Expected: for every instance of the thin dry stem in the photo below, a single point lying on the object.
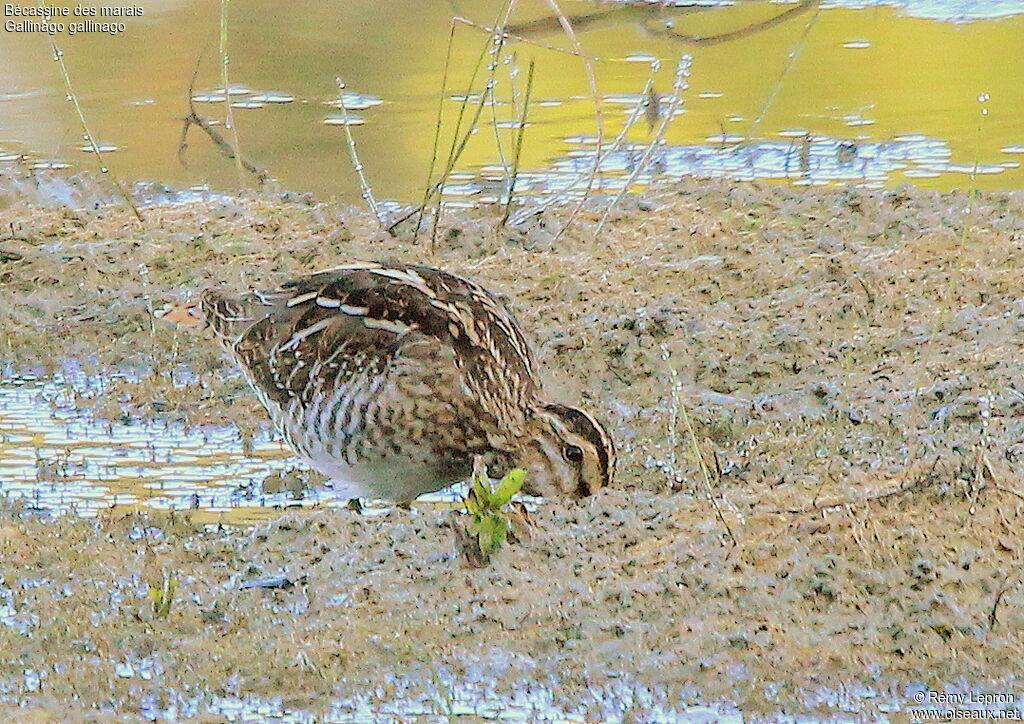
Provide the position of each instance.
(616, 144)
(922, 480)
(588, 67)
(676, 477)
(492, 82)
(229, 116)
(679, 85)
(495, 43)
(437, 133)
(58, 55)
(746, 31)
(195, 119)
(790, 63)
(521, 39)
(513, 73)
(438, 186)
(694, 446)
(519, 143)
(364, 185)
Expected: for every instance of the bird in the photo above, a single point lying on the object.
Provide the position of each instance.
(390, 379)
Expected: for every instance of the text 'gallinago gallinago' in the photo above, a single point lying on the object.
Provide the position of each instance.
(391, 378)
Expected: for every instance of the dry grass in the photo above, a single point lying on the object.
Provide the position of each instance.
(821, 337)
(634, 590)
(850, 362)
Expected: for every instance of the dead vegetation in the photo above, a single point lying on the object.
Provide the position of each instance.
(849, 364)
(822, 613)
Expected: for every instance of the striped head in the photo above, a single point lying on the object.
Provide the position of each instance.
(569, 454)
(229, 317)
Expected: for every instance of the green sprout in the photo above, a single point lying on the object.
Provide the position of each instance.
(488, 527)
(162, 595)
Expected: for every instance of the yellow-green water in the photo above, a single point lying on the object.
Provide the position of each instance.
(55, 458)
(886, 94)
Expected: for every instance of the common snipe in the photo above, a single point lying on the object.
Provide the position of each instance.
(391, 378)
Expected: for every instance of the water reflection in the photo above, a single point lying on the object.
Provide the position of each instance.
(807, 159)
(954, 11)
(55, 458)
(869, 73)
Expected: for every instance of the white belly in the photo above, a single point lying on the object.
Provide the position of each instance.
(332, 437)
(389, 479)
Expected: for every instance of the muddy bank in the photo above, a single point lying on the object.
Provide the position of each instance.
(819, 338)
(851, 363)
(632, 595)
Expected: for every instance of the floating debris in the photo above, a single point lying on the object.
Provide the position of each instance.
(338, 119)
(640, 58)
(356, 101)
(101, 147)
(272, 97)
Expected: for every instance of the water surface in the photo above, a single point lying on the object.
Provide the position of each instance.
(57, 458)
(848, 91)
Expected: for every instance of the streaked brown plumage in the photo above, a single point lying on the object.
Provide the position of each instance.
(391, 378)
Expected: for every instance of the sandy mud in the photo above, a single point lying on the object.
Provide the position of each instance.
(841, 530)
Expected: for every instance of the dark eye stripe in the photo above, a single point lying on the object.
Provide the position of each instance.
(586, 427)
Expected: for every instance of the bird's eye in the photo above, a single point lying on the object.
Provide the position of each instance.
(573, 454)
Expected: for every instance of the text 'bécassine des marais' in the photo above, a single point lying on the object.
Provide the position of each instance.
(71, 20)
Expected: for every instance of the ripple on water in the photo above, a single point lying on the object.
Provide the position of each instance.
(356, 101)
(101, 147)
(56, 458)
(344, 119)
(800, 157)
(273, 97)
